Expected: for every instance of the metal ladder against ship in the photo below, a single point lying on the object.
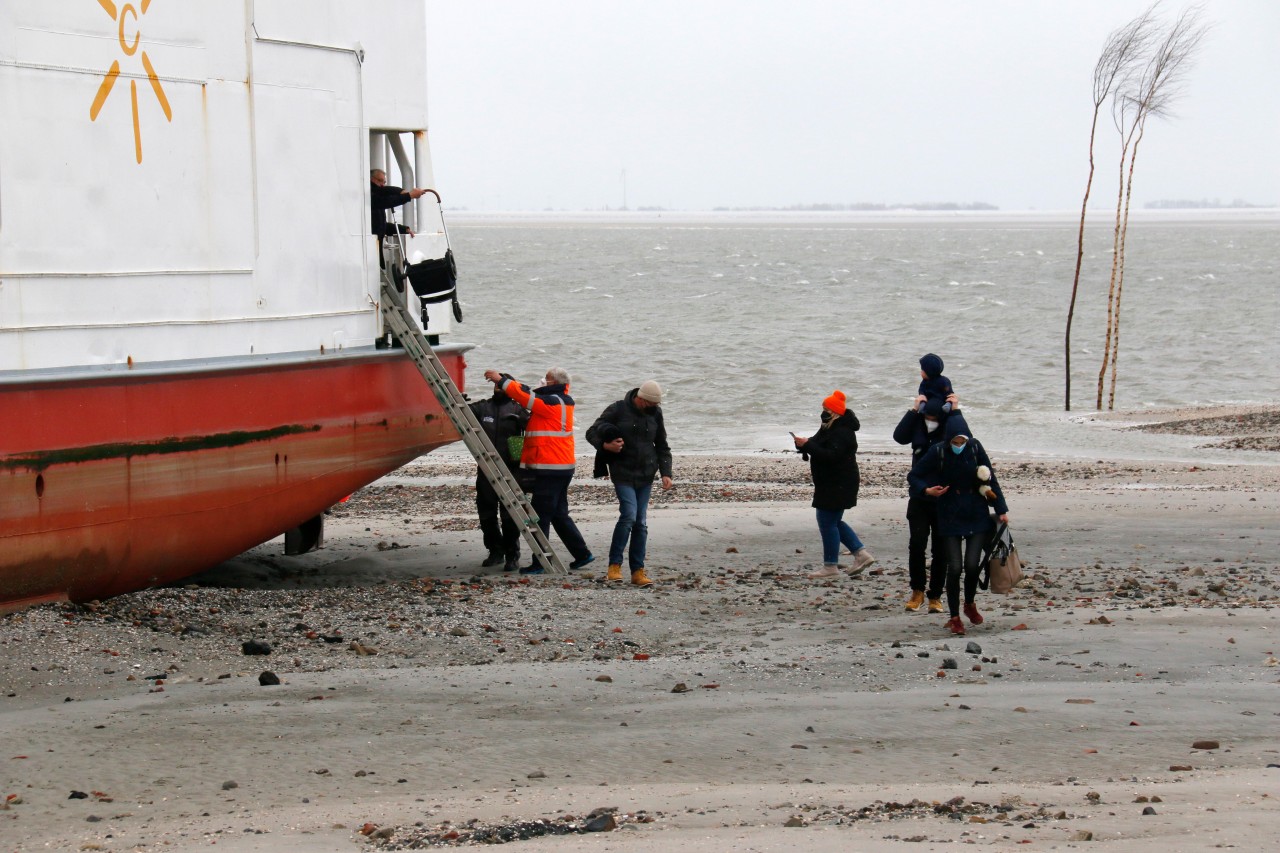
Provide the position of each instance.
(415, 343)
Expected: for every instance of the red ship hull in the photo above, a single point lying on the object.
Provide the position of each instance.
(118, 482)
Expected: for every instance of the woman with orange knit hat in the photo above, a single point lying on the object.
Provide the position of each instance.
(832, 453)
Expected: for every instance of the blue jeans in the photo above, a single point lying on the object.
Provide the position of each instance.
(835, 531)
(633, 508)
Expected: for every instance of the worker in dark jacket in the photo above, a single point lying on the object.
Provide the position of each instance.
(950, 472)
(631, 438)
(832, 453)
(502, 419)
(923, 429)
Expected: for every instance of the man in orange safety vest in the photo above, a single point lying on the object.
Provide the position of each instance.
(548, 455)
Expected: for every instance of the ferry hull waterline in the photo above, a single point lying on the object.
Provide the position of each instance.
(198, 363)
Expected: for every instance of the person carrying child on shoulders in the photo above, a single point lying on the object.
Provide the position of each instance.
(951, 472)
(923, 429)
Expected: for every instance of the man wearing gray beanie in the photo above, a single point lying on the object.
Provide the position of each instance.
(631, 438)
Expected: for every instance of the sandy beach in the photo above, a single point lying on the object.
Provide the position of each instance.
(1123, 697)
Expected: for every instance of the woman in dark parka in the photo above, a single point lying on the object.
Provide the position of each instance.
(964, 517)
(832, 453)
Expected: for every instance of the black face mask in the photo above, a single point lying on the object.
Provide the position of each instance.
(826, 416)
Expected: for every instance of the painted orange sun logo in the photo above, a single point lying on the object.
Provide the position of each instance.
(127, 17)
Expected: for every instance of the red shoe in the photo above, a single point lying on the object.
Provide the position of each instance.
(971, 610)
(955, 626)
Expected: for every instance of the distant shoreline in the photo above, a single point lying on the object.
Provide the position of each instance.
(1097, 217)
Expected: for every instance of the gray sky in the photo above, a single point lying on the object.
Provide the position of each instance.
(706, 103)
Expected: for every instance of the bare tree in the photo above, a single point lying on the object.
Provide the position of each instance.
(1122, 53)
(1160, 84)
(1123, 109)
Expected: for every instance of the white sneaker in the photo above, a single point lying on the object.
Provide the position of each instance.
(828, 570)
(861, 559)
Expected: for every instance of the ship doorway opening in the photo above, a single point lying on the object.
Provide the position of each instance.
(390, 153)
(408, 217)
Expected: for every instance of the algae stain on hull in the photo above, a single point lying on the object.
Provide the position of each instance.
(128, 450)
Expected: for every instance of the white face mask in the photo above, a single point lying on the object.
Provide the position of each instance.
(930, 426)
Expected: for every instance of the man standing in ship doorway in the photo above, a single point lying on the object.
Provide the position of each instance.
(548, 454)
(383, 198)
(632, 440)
(503, 420)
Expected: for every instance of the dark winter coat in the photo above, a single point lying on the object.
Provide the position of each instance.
(382, 199)
(914, 430)
(501, 418)
(961, 510)
(644, 453)
(935, 388)
(832, 453)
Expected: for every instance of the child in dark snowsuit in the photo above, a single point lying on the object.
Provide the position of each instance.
(933, 385)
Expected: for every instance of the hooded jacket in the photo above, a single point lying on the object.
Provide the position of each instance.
(934, 386)
(644, 453)
(833, 463)
(961, 510)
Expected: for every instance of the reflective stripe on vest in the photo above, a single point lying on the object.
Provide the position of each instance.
(547, 466)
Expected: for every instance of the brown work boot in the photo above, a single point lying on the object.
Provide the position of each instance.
(935, 605)
(639, 578)
(916, 599)
(615, 572)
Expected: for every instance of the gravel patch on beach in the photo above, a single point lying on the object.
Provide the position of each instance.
(1256, 430)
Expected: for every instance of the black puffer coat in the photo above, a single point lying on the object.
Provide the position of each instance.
(644, 442)
(833, 463)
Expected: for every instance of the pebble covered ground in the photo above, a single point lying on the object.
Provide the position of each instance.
(720, 620)
(196, 631)
(154, 637)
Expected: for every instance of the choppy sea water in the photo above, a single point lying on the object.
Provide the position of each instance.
(750, 320)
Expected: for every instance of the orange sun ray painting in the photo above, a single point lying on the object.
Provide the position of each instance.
(129, 35)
